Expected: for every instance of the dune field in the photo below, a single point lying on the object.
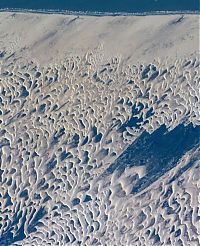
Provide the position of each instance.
(99, 130)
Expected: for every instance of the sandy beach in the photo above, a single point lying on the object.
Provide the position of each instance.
(52, 37)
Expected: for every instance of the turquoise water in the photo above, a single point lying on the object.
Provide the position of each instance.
(102, 6)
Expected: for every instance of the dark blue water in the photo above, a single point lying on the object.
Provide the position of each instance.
(159, 152)
(103, 6)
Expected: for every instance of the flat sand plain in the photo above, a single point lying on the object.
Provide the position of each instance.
(51, 37)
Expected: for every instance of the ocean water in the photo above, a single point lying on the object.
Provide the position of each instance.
(103, 6)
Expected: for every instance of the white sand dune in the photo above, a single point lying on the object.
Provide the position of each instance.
(99, 130)
(52, 37)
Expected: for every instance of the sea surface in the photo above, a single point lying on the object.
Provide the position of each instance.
(102, 7)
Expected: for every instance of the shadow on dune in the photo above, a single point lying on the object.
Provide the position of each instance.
(158, 152)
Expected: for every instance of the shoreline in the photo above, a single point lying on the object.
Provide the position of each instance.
(99, 14)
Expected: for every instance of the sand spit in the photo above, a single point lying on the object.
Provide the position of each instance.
(99, 134)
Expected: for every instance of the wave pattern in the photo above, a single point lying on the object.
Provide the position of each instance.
(99, 154)
(98, 13)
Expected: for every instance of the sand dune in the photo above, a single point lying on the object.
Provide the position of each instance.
(99, 135)
(132, 38)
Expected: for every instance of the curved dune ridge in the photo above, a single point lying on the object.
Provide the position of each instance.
(96, 149)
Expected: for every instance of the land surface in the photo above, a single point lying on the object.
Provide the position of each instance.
(51, 37)
(99, 130)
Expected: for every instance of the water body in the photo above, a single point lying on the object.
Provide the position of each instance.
(102, 7)
(159, 152)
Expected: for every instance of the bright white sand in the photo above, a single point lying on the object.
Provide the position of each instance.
(68, 88)
(51, 37)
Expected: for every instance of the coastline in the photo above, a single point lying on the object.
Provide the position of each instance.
(97, 13)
